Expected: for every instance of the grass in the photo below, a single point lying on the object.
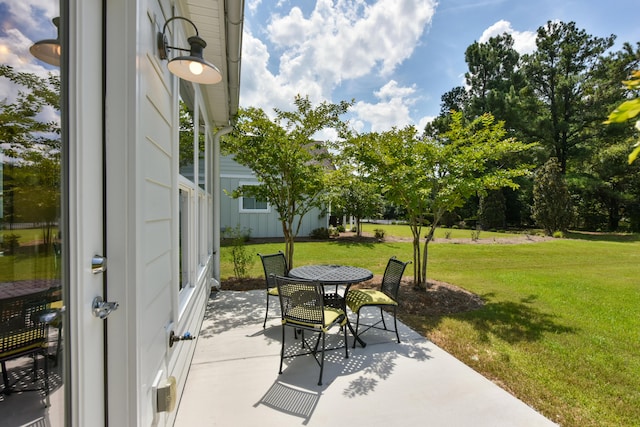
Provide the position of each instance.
(560, 328)
(30, 262)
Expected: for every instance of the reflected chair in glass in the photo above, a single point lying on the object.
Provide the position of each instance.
(385, 297)
(302, 308)
(273, 265)
(23, 333)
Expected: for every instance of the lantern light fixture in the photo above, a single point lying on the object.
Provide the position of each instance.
(192, 67)
(48, 50)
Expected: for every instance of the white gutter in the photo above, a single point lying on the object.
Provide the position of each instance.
(234, 16)
(234, 11)
(215, 167)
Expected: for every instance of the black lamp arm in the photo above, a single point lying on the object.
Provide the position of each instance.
(162, 39)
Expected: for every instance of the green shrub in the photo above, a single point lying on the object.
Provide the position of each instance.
(475, 235)
(558, 235)
(341, 228)
(242, 260)
(10, 243)
(378, 233)
(319, 233)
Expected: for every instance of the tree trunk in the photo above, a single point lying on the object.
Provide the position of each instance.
(415, 230)
(425, 256)
(288, 243)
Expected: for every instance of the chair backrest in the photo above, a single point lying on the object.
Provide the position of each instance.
(392, 276)
(274, 265)
(301, 300)
(21, 330)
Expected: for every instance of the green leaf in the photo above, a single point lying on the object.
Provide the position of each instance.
(627, 110)
(634, 154)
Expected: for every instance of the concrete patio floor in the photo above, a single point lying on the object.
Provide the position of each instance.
(234, 381)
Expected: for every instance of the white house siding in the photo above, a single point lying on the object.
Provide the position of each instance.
(143, 229)
(260, 225)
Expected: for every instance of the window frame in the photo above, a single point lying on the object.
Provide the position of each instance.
(241, 199)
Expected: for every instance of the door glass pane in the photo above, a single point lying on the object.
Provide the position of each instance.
(32, 237)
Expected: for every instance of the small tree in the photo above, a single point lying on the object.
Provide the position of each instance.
(428, 177)
(242, 260)
(352, 195)
(288, 163)
(551, 200)
(31, 151)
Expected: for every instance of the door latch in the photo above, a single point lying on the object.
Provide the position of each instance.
(98, 264)
(102, 309)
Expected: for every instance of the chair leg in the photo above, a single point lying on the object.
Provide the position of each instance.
(384, 325)
(321, 360)
(46, 378)
(355, 340)
(346, 343)
(35, 367)
(264, 324)
(282, 350)
(5, 378)
(395, 324)
(58, 343)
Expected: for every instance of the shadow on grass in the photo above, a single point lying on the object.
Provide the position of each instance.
(364, 242)
(514, 322)
(603, 237)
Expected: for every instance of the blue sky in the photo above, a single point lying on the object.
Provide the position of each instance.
(394, 57)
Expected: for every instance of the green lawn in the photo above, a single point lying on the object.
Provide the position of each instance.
(560, 328)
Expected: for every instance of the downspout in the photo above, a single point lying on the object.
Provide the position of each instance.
(234, 17)
(215, 167)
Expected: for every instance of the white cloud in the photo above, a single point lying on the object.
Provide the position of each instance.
(523, 41)
(392, 109)
(348, 39)
(423, 122)
(339, 41)
(26, 14)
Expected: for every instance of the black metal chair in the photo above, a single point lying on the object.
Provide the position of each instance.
(273, 265)
(385, 297)
(302, 307)
(23, 333)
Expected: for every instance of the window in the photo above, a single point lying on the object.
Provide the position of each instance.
(251, 204)
(195, 199)
(184, 240)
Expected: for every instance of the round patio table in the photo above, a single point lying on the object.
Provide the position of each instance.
(334, 275)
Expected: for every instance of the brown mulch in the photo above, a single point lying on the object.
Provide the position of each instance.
(438, 299)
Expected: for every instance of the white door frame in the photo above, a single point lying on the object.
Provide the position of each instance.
(83, 21)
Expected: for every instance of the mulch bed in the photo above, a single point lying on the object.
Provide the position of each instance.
(438, 299)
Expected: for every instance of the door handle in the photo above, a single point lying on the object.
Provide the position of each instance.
(98, 264)
(102, 309)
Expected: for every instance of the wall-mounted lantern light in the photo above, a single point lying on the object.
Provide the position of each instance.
(48, 50)
(192, 67)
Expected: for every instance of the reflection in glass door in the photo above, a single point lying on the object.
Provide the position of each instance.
(32, 236)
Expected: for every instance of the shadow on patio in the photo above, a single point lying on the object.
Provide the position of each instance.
(233, 379)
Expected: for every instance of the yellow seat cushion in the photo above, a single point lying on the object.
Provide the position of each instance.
(362, 297)
(330, 316)
(29, 341)
(56, 304)
(273, 291)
